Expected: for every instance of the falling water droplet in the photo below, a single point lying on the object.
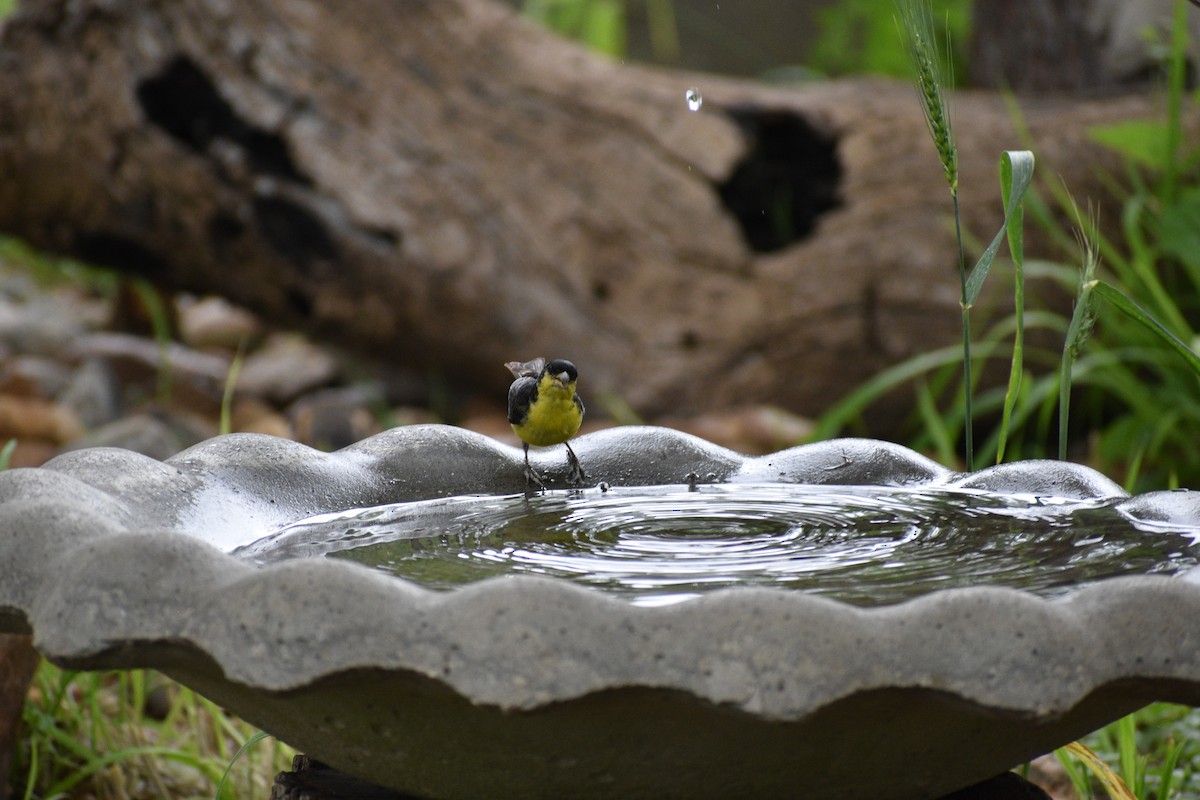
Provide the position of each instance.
(693, 98)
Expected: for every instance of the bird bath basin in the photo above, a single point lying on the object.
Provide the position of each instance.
(658, 545)
(562, 645)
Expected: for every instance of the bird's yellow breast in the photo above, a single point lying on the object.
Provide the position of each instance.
(553, 417)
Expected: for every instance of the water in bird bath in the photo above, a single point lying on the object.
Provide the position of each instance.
(664, 544)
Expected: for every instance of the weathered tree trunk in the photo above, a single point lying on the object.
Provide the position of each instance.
(1070, 45)
(442, 183)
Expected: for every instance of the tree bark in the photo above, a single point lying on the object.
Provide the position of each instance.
(1081, 46)
(441, 183)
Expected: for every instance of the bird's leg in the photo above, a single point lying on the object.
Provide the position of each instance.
(577, 475)
(531, 475)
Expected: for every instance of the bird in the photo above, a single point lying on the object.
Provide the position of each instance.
(544, 410)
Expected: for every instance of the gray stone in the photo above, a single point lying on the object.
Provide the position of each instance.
(215, 322)
(155, 435)
(33, 376)
(533, 687)
(93, 394)
(285, 367)
(330, 419)
(41, 327)
(191, 378)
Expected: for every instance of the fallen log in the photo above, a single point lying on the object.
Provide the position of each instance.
(441, 183)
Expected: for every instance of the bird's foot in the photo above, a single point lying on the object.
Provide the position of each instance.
(532, 478)
(576, 475)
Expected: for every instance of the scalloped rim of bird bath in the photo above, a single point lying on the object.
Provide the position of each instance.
(539, 687)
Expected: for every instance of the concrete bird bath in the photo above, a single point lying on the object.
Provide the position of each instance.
(526, 686)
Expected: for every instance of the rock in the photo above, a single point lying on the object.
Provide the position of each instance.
(159, 435)
(287, 366)
(492, 422)
(334, 418)
(252, 415)
(754, 430)
(41, 328)
(33, 376)
(412, 415)
(32, 418)
(1048, 773)
(215, 322)
(193, 379)
(93, 394)
(32, 453)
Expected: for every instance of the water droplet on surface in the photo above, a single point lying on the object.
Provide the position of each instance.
(694, 99)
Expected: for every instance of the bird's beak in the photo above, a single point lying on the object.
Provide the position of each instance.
(562, 379)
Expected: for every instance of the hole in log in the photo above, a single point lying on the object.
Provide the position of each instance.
(299, 302)
(118, 252)
(294, 231)
(186, 104)
(786, 181)
(224, 230)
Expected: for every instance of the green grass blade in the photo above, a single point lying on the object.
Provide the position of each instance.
(852, 405)
(1016, 174)
(1112, 783)
(31, 776)
(160, 322)
(1166, 773)
(1016, 171)
(231, 379)
(664, 32)
(253, 740)
(1083, 319)
(6, 454)
(603, 27)
(935, 423)
(1139, 314)
(101, 761)
(1076, 774)
(968, 381)
(1127, 750)
(1177, 76)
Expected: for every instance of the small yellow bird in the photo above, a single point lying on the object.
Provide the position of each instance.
(544, 409)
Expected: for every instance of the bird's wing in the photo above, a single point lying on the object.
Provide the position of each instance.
(521, 395)
(522, 369)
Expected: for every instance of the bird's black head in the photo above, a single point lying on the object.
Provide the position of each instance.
(559, 365)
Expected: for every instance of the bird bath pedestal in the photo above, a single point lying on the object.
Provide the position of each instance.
(526, 686)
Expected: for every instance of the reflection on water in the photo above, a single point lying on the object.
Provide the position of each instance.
(658, 545)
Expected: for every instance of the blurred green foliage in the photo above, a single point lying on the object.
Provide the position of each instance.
(603, 25)
(862, 36)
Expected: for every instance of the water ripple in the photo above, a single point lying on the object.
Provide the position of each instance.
(657, 545)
